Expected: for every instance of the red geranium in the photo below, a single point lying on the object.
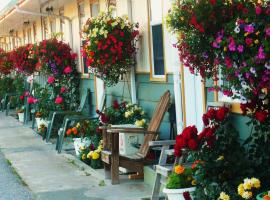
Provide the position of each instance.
(261, 116)
(221, 113)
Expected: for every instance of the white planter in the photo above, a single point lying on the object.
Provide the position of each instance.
(177, 194)
(21, 117)
(40, 122)
(78, 142)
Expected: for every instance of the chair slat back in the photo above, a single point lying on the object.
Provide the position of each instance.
(83, 100)
(155, 123)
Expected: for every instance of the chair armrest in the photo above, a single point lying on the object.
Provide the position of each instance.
(131, 130)
(80, 117)
(162, 143)
(66, 113)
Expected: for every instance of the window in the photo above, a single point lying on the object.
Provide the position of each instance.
(156, 43)
(94, 8)
(62, 22)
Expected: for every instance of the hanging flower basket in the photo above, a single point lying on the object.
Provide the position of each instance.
(24, 59)
(110, 46)
(5, 62)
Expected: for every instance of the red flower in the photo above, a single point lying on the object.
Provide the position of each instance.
(213, 2)
(31, 100)
(180, 142)
(193, 144)
(177, 151)
(221, 113)
(63, 89)
(211, 114)
(209, 133)
(67, 70)
(189, 132)
(205, 119)
(51, 80)
(267, 11)
(249, 41)
(245, 11)
(22, 97)
(58, 100)
(243, 108)
(187, 196)
(116, 105)
(211, 142)
(261, 116)
(258, 10)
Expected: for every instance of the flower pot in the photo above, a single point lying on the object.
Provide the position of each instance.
(21, 117)
(260, 196)
(177, 194)
(78, 142)
(40, 122)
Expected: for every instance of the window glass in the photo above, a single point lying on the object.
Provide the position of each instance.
(158, 55)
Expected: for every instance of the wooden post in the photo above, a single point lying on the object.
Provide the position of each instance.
(115, 158)
(107, 167)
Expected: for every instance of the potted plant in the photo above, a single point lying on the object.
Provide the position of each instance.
(180, 184)
(20, 113)
(263, 196)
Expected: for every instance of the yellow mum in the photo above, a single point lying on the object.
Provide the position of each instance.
(256, 182)
(241, 189)
(224, 196)
(83, 156)
(95, 155)
(194, 182)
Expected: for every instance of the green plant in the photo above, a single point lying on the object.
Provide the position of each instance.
(182, 177)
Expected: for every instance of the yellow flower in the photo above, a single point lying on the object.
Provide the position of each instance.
(127, 114)
(89, 155)
(140, 123)
(247, 185)
(256, 41)
(258, 32)
(246, 34)
(220, 158)
(179, 169)
(78, 125)
(95, 155)
(225, 49)
(83, 156)
(256, 182)
(247, 195)
(194, 182)
(223, 196)
(241, 189)
(182, 18)
(82, 148)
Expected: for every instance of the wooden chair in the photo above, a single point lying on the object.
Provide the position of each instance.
(110, 156)
(60, 115)
(162, 168)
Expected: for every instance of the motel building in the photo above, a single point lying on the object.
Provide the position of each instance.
(157, 69)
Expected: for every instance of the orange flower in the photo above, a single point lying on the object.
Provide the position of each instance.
(69, 131)
(75, 131)
(179, 169)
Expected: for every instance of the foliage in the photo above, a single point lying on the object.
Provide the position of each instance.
(85, 128)
(182, 177)
(6, 64)
(123, 113)
(110, 46)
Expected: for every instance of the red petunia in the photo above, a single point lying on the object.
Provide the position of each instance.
(192, 144)
(213, 2)
(261, 116)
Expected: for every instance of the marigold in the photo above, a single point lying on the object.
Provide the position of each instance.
(75, 130)
(95, 155)
(69, 131)
(179, 169)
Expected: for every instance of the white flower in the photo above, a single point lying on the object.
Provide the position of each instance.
(267, 65)
(237, 29)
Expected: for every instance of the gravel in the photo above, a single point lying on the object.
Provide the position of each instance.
(11, 186)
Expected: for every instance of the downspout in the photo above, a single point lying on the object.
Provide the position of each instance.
(19, 10)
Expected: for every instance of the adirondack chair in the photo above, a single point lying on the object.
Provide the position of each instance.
(162, 168)
(61, 114)
(110, 156)
(70, 118)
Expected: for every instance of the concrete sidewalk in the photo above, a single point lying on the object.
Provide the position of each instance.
(52, 176)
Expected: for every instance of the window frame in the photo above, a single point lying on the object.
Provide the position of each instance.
(151, 23)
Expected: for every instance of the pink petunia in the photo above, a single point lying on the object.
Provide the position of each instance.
(67, 70)
(249, 41)
(63, 89)
(59, 100)
(240, 48)
(51, 80)
(258, 10)
(32, 100)
(268, 31)
(249, 28)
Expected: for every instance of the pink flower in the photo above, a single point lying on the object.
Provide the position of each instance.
(261, 54)
(227, 93)
(58, 100)
(51, 80)
(258, 10)
(26, 94)
(63, 89)
(228, 62)
(249, 28)
(32, 100)
(267, 31)
(67, 70)
(240, 48)
(232, 46)
(267, 11)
